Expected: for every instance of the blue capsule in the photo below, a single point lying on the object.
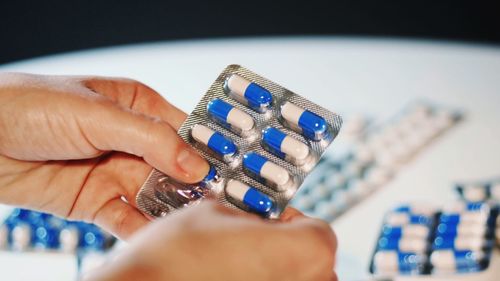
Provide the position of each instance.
(260, 167)
(404, 262)
(92, 238)
(458, 243)
(455, 229)
(467, 217)
(459, 260)
(416, 245)
(284, 146)
(230, 117)
(212, 173)
(304, 121)
(250, 197)
(206, 183)
(410, 230)
(221, 145)
(399, 218)
(46, 237)
(249, 93)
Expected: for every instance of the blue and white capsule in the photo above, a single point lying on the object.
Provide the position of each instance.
(261, 167)
(459, 243)
(405, 244)
(222, 146)
(248, 93)
(401, 218)
(416, 209)
(285, 146)
(250, 197)
(461, 229)
(456, 261)
(467, 207)
(466, 218)
(304, 121)
(231, 117)
(394, 262)
(409, 230)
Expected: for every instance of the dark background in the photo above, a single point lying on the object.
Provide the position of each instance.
(37, 28)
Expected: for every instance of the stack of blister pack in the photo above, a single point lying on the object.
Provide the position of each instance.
(26, 232)
(417, 239)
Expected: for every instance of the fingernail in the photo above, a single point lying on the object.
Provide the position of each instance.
(193, 165)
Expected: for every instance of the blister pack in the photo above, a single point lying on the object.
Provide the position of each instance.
(260, 139)
(368, 154)
(25, 230)
(419, 239)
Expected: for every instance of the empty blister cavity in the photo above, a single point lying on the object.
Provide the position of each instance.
(286, 147)
(260, 167)
(179, 194)
(231, 117)
(249, 198)
(248, 93)
(311, 125)
(221, 145)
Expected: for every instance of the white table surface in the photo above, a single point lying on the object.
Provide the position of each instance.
(347, 75)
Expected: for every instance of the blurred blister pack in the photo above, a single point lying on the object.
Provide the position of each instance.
(260, 139)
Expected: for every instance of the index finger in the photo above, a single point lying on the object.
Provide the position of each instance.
(138, 97)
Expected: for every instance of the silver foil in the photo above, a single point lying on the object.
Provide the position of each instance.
(161, 194)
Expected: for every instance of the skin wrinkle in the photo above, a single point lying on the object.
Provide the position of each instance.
(84, 182)
(97, 152)
(56, 168)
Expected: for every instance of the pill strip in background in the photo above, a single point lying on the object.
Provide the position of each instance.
(260, 139)
(368, 155)
(25, 231)
(418, 239)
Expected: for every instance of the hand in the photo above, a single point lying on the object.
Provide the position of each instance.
(212, 242)
(81, 147)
